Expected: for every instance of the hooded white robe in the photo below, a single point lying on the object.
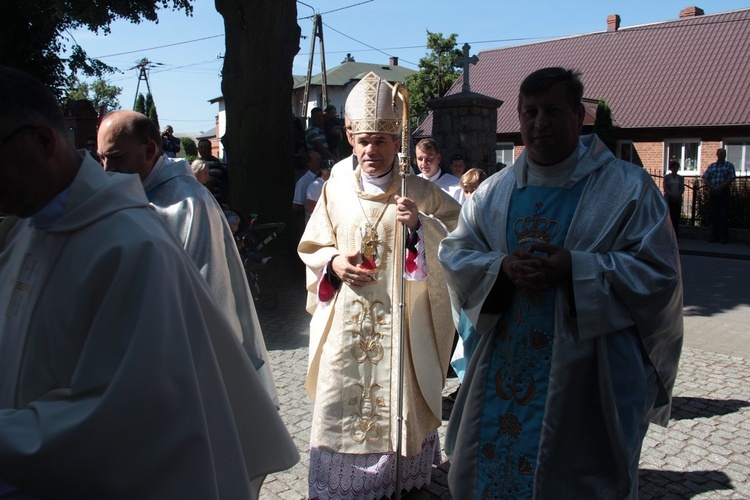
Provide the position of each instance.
(196, 219)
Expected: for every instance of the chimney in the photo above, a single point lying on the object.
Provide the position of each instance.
(691, 12)
(613, 22)
(393, 61)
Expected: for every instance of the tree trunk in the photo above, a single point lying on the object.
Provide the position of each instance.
(262, 38)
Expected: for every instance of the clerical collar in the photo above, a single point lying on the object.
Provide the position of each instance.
(376, 184)
(435, 177)
(553, 175)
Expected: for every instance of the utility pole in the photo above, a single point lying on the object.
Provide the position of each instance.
(143, 66)
(317, 33)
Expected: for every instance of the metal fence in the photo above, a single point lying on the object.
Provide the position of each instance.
(695, 208)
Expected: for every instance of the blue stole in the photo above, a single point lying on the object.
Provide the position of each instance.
(516, 385)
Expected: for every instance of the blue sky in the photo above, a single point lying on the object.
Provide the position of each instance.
(186, 50)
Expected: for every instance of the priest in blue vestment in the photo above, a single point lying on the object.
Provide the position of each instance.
(567, 266)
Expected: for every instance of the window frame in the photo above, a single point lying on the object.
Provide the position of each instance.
(684, 140)
(744, 167)
(499, 147)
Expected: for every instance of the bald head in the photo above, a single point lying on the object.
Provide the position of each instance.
(129, 142)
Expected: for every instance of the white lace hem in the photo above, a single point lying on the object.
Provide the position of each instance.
(345, 476)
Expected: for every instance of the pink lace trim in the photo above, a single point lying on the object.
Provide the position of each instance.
(367, 477)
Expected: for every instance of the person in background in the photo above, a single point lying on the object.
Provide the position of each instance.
(471, 180)
(200, 170)
(91, 148)
(467, 336)
(674, 185)
(218, 175)
(205, 151)
(316, 187)
(458, 165)
(120, 376)
(169, 143)
(334, 130)
(428, 161)
(350, 163)
(567, 265)
(313, 164)
(719, 177)
(315, 136)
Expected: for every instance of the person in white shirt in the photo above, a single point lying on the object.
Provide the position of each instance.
(312, 162)
(316, 188)
(428, 161)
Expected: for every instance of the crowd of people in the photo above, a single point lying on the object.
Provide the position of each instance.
(127, 313)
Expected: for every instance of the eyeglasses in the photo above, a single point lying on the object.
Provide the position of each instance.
(13, 134)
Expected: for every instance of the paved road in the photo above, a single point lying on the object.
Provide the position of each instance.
(702, 454)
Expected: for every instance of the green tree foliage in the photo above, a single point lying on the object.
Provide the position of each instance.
(189, 147)
(437, 72)
(148, 104)
(603, 126)
(100, 93)
(140, 104)
(153, 116)
(36, 34)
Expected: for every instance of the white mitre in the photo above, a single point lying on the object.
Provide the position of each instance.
(370, 107)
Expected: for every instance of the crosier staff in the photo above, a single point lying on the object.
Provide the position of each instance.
(404, 166)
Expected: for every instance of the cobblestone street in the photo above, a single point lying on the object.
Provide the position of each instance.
(702, 454)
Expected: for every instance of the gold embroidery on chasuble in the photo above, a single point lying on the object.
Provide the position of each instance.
(368, 328)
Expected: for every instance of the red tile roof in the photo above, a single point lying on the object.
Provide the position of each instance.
(687, 72)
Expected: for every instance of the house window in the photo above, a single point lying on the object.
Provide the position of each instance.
(738, 153)
(685, 152)
(626, 151)
(504, 153)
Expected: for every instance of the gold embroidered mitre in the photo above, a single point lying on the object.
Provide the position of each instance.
(370, 107)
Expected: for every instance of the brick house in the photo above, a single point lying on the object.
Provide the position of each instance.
(677, 89)
(82, 121)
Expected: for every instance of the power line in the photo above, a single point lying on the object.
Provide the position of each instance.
(160, 46)
(334, 10)
(363, 43)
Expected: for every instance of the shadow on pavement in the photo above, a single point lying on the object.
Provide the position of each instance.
(686, 408)
(680, 484)
(713, 285)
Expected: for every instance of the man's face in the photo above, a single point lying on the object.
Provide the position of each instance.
(120, 152)
(458, 168)
(375, 152)
(22, 170)
(549, 126)
(428, 162)
(721, 155)
(313, 165)
(317, 118)
(204, 149)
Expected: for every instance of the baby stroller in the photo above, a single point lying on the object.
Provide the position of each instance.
(251, 238)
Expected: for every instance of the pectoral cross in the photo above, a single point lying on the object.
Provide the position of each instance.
(465, 61)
